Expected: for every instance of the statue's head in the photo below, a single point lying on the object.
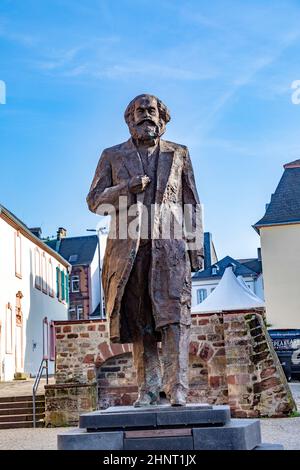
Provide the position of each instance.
(146, 117)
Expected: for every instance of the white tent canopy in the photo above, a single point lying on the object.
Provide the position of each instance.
(248, 290)
(230, 294)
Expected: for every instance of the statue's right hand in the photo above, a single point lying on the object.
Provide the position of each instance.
(138, 184)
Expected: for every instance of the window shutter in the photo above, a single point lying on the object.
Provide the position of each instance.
(63, 290)
(57, 282)
(67, 288)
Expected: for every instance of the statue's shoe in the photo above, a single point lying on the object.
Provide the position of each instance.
(146, 399)
(178, 398)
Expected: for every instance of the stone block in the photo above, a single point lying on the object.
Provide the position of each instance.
(20, 376)
(205, 352)
(238, 434)
(159, 443)
(128, 417)
(79, 439)
(266, 384)
(193, 348)
(117, 420)
(267, 446)
(268, 372)
(194, 415)
(204, 321)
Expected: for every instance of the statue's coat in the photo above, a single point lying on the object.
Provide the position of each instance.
(170, 278)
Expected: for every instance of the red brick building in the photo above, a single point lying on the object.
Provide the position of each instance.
(82, 253)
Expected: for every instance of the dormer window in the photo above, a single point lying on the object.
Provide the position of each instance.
(233, 266)
(215, 270)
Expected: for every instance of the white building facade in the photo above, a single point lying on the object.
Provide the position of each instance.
(204, 282)
(34, 285)
(201, 288)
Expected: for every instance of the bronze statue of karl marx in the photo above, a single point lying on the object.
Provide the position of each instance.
(146, 275)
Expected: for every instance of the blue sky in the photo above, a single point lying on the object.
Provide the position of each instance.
(224, 69)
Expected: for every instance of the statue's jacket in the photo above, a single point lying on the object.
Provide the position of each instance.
(172, 259)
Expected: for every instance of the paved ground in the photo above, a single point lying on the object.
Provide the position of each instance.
(21, 387)
(29, 439)
(284, 430)
(295, 387)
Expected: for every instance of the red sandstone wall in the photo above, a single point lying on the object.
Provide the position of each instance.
(232, 361)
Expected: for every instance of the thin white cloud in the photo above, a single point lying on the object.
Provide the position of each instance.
(151, 69)
(26, 40)
(68, 61)
(62, 59)
(246, 76)
(69, 64)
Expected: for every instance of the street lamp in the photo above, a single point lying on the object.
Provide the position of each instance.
(102, 231)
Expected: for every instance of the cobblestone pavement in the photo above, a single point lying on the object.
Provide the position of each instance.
(284, 430)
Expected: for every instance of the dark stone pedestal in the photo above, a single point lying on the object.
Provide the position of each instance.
(192, 427)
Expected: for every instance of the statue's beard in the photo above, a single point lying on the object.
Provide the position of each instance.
(145, 131)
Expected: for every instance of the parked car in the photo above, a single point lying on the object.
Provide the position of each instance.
(287, 345)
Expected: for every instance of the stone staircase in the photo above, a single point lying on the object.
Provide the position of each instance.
(17, 412)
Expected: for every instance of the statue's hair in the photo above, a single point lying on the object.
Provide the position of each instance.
(162, 109)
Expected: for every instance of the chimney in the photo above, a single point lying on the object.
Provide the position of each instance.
(37, 231)
(61, 233)
(259, 254)
(207, 249)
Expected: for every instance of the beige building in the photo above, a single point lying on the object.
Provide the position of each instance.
(279, 231)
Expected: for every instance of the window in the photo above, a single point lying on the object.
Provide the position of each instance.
(52, 341)
(62, 285)
(8, 329)
(67, 288)
(72, 313)
(19, 315)
(45, 338)
(233, 265)
(75, 284)
(80, 315)
(214, 270)
(58, 283)
(44, 274)
(76, 312)
(18, 255)
(201, 295)
(37, 264)
(50, 278)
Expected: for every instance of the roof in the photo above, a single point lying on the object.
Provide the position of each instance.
(254, 264)
(240, 269)
(76, 250)
(231, 294)
(294, 164)
(20, 225)
(284, 207)
(14, 217)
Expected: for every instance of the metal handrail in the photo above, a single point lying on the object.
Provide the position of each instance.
(43, 365)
